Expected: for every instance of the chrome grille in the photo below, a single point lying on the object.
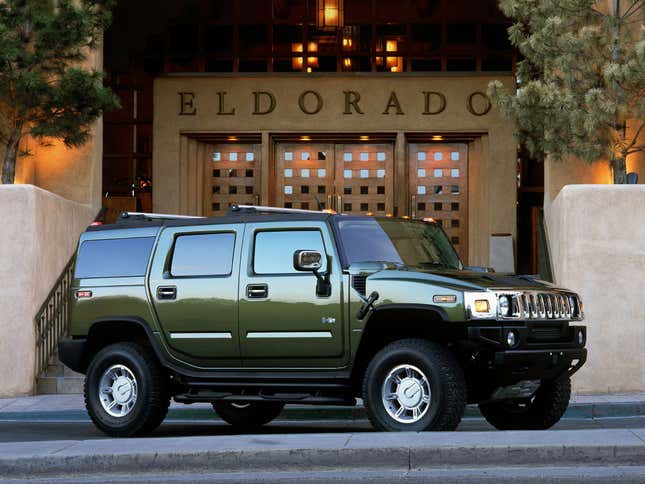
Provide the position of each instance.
(538, 305)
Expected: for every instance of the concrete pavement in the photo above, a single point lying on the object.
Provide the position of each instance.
(49, 438)
(323, 452)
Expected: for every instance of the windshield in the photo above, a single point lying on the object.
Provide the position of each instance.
(413, 243)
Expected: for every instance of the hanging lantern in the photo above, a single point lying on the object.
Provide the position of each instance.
(329, 14)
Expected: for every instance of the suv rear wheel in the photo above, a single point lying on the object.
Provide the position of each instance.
(248, 415)
(414, 385)
(541, 412)
(126, 391)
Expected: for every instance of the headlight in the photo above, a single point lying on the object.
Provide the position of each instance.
(480, 305)
(504, 306)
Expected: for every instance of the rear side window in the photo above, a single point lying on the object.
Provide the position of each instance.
(203, 255)
(114, 257)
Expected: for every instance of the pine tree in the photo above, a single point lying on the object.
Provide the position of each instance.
(44, 90)
(581, 80)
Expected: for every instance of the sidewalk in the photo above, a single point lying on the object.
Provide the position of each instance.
(349, 451)
(73, 407)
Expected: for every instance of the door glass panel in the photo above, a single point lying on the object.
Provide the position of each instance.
(447, 161)
(228, 181)
(203, 255)
(273, 251)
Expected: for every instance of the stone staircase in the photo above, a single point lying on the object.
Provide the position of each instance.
(58, 379)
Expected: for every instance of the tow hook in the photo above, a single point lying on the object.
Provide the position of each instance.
(367, 305)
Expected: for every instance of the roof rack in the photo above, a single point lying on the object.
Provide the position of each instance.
(154, 216)
(262, 209)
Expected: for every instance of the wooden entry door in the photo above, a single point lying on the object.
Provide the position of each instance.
(349, 178)
(232, 177)
(304, 175)
(438, 184)
(364, 181)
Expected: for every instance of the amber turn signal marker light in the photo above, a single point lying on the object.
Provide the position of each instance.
(482, 306)
(445, 299)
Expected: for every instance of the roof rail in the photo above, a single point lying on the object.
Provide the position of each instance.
(262, 209)
(154, 216)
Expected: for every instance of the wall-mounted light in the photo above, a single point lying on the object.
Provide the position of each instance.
(437, 137)
(364, 138)
(329, 14)
(347, 63)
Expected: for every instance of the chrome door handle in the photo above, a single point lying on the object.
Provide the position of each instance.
(257, 291)
(167, 292)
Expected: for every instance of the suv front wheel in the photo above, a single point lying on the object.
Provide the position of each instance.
(126, 391)
(414, 385)
(540, 412)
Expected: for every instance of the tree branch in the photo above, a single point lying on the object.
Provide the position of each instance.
(629, 12)
(636, 136)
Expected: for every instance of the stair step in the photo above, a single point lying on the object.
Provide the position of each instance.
(59, 385)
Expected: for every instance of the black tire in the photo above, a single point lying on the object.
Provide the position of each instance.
(445, 381)
(152, 400)
(542, 412)
(248, 415)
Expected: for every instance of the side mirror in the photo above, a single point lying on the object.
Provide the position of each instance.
(307, 260)
(311, 261)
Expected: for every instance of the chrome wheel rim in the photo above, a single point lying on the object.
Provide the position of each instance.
(118, 391)
(406, 394)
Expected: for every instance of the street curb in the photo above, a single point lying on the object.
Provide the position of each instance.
(322, 413)
(284, 453)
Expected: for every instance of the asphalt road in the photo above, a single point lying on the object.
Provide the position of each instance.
(494, 475)
(25, 430)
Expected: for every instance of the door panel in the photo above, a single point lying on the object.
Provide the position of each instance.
(438, 183)
(364, 178)
(283, 323)
(232, 177)
(194, 292)
(304, 174)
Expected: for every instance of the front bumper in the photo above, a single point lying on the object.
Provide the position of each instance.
(535, 357)
(516, 365)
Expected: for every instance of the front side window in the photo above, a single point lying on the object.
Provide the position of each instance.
(203, 255)
(273, 251)
(412, 243)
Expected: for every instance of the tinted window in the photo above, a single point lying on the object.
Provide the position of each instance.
(408, 242)
(274, 250)
(203, 255)
(114, 257)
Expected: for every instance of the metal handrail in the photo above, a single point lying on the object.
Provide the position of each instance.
(52, 319)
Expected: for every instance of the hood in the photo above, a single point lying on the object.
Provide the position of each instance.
(462, 280)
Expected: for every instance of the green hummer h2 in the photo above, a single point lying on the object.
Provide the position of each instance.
(265, 307)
